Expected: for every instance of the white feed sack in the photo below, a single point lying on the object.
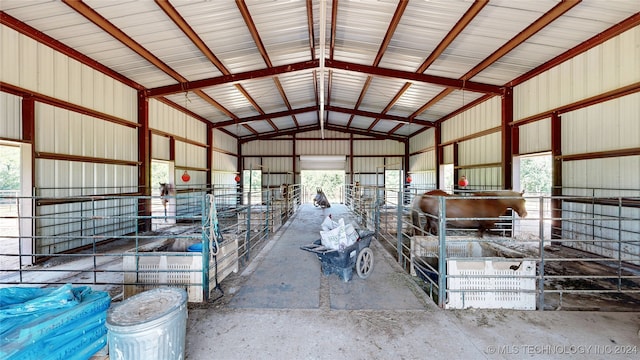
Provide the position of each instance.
(337, 236)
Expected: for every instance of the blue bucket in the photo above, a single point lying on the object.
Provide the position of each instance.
(195, 248)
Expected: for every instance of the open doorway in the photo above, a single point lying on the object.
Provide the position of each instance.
(446, 177)
(533, 174)
(162, 212)
(392, 185)
(9, 205)
(330, 181)
(252, 184)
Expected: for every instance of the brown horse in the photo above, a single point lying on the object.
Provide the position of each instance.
(467, 207)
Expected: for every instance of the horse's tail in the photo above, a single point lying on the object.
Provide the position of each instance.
(415, 215)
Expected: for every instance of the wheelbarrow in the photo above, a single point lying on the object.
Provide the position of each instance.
(342, 262)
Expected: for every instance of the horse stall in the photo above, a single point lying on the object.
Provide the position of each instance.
(565, 253)
(125, 244)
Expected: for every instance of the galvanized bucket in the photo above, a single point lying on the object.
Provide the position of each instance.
(149, 325)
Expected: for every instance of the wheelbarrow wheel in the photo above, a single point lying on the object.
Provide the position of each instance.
(364, 263)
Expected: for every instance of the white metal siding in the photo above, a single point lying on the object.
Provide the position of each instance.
(605, 126)
(160, 147)
(169, 120)
(486, 115)
(447, 154)
(278, 164)
(327, 147)
(67, 177)
(65, 132)
(274, 147)
(224, 162)
(535, 137)
(37, 67)
(424, 140)
(189, 155)
(377, 147)
(197, 178)
(367, 164)
(482, 150)
(610, 173)
(489, 177)
(422, 162)
(611, 65)
(225, 142)
(10, 116)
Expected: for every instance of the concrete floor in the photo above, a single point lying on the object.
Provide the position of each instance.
(282, 307)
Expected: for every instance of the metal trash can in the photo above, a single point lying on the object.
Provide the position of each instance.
(149, 325)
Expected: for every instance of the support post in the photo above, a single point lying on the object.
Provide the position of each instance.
(442, 251)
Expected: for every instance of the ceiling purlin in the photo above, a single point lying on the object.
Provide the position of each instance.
(244, 11)
(285, 99)
(397, 15)
(119, 35)
(312, 37)
(367, 83)
(182, 24)
(278, 114)
(104, 24)
(464, 21)
(231, 78)
(395, 128)
(373, 134)
(216, 104)
(332, 44)
(395, 99)
(412, 76)
(402, 5)
(514, 42)
(334, 27)
(457, 29)
(276, 134)
(358, 112)
(528, 32)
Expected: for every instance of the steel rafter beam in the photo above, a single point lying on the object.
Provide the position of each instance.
(364, 132)
(275, 134)
(411, 76)
(226, 79)
(517, 40)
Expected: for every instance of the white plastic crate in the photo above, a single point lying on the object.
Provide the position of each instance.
(428, 246)
(169, 268)
(485, 281)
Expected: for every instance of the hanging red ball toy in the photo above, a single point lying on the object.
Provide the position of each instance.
(185, 176)
(237, 178)
(463, 182)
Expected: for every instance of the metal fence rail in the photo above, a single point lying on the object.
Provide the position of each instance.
(94, 240)
(561, 256)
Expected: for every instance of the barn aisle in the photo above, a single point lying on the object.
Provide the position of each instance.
(287, 277)
(282, 307)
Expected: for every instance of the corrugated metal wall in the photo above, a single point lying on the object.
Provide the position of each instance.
(10, 116)
(225, 159)
(275, 156)
(535, 137)
(84, 139)
(37, 67)
(609, 66)
(608, 126)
